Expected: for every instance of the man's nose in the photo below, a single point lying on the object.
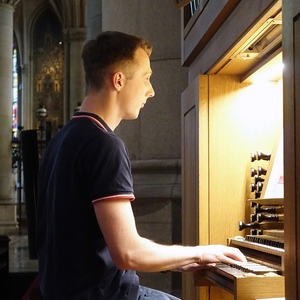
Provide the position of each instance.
(151, 92)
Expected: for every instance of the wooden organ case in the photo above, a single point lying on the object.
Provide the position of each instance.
(225, 117)
(222, 120)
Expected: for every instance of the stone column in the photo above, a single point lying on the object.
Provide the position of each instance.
(94, 18)
(8, 223)
(75, 84)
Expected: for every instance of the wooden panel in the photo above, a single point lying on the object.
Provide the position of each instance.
(190, 193)
(241, 287)
(204, 237)
(291, 102)
(190, 143)
(203, 186)
(248, 289)
(212, 17)
(190, 207)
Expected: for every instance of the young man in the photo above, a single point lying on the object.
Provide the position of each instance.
(87, 242)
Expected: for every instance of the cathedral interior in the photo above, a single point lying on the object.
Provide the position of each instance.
(226, 85)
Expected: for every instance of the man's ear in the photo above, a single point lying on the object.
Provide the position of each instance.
(118, 80)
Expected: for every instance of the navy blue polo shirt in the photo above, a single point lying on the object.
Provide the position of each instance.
(84, 163)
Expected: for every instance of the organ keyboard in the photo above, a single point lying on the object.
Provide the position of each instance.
(262, 276)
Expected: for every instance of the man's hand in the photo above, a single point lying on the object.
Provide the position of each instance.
(194, 267)
(220, 253)
(212, 254)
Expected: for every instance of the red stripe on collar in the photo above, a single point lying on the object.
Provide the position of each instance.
(91, 118)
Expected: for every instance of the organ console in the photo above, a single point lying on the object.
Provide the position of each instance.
(262, 276)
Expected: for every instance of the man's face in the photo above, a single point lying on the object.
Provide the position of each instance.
(137, 88)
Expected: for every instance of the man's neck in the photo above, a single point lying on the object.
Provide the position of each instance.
(101, 106)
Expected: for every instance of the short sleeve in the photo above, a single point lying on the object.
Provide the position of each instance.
(108, 169)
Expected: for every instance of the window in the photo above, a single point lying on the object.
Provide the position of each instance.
(15, 81)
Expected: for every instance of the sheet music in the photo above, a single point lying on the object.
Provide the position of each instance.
(275, 185)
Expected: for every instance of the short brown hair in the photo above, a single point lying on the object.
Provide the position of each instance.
(109, 49)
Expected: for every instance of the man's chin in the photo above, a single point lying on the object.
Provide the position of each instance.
(132, 117)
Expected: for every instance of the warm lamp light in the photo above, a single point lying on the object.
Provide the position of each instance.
(270, 71)
(273, 73)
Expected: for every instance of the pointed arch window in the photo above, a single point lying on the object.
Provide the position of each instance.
(15, 88)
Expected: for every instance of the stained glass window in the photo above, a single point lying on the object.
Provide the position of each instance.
(15, 93)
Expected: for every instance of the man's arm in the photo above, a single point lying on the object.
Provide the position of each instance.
(130, 251)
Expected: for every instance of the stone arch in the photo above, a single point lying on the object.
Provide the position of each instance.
(72, 13)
